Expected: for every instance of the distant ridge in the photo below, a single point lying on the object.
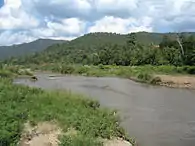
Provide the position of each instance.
(84, 42)
(27, 48)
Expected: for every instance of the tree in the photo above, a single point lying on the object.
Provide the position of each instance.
(189, 47)
(165, 42)
(131, 39)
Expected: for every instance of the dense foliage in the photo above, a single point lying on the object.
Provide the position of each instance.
(20, 104)
(107, 49)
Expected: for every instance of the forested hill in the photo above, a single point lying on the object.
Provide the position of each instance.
(95, 39)
(84, 42)
(27, 48)
(111, 48)
(98, 39)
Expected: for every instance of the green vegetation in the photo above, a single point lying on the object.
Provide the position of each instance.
(144, 74)
(10, 71)
(20, 104)
(27, 48)
(137, 56)
(92, 40)
(106, 49)
(107, 54)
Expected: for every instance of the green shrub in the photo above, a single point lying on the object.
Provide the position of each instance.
(25, 72)
(185, 68)
(79, 140)
(13, 69)
(23, 104)
(101, 66)
(144, 76)
(156, 81)
(93, 104)
(5, 74)
(190, 69)
(82, 69)
(180, 70)
(67, 69)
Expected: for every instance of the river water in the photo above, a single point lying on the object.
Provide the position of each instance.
(155, 116)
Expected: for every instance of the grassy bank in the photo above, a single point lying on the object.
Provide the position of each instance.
(137, 73)
(146, 74)
(10, 71)
(20, 104)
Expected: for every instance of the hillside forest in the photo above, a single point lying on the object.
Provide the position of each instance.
(93, 50)
(26, 48)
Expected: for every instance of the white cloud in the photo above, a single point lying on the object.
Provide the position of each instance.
(13, 17)
(72, 18)
(67, 26)
(59, 8)
(119, 25)
(61, 38)
(15, 38)
(42, 32)
(12, 3)
(121, 8)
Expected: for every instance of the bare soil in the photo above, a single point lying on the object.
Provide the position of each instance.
(117, 142)
(180, 81)
(44, 134)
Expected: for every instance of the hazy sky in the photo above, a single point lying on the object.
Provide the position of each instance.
(26, 20)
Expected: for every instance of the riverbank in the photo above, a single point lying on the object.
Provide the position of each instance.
(177, 81)
(169, 76)
(151, 114)
(78, 119)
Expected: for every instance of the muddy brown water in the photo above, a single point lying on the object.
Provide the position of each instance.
(155, 116)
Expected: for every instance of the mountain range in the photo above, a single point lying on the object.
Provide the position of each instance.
(85, 41)
(27, 48)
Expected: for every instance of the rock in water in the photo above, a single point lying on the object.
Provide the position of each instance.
(34, 78)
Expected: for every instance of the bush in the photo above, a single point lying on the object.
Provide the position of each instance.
(23, 104)
(67, 69)
(79, 140)
(190, 69)
(144, 76)
(25, 72)
(156, 81)
(93, 104)
(82, 69)
(13, 69)
(5, 74)
(101, 66)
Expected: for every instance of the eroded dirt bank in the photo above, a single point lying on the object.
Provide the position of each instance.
(180, 81)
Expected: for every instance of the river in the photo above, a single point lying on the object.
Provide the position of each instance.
(155, 116)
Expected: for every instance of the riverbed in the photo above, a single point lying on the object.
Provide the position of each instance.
(154, 115)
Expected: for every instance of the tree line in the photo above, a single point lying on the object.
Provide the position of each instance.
(132, 53)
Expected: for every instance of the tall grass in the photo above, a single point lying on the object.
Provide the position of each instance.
(12, 71)
(20, 104)
(138, 73)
